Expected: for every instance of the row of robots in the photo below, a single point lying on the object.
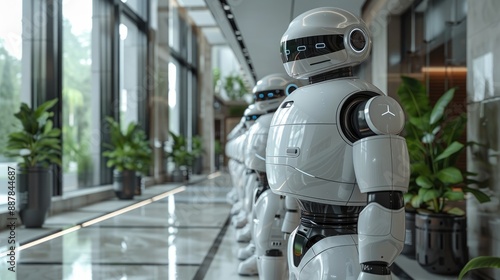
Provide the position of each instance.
(318, 166)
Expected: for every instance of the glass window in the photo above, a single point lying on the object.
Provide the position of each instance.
(173, 96)
(10, 81)
(79, 155)
(174, 29)
(138, 6)
(132, 59)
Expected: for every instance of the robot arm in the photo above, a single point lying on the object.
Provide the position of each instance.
(381, 164)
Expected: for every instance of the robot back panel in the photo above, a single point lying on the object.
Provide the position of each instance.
(308, 154)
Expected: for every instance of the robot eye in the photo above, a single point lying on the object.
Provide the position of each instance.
(270, 94)
(320, 45)
(357, 40)
(261, 95)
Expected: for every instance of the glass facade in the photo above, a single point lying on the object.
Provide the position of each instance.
(132, 65)
(77, 95)
(76, 56)
(11, 55)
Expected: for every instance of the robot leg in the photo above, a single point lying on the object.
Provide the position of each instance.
(272, 267)
(246, 252)
(248, 267)
(268, 237)
(244, 234)
(242, 218)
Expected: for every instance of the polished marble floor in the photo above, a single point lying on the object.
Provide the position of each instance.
(169, 232)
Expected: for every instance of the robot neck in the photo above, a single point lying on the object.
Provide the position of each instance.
(334, 74)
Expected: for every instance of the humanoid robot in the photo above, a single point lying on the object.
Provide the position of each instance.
(232, 196)
(269, 211)
(239, 175)
(334, 145)
(251, 114)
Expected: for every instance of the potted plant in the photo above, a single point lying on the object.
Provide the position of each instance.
(180, 156)
(39, 146)
(197, 154)
(433, 140)
(143, 161)
(219, 153)
(126, 155)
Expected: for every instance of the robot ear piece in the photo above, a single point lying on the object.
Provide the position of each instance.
(290, 88)
(358, 40)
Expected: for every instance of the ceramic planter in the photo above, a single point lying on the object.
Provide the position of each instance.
(124, 183)
(441, 242)
(34, 195)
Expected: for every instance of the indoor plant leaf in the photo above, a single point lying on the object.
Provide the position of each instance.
(413, 97)
(480, 262)
(424, 182)
(454, 195)
(438, 110)
(480, 196)
(451, 149)
(450, 175)
(429, 194)
(38, 136)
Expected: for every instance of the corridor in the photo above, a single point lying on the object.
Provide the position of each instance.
(171, 231)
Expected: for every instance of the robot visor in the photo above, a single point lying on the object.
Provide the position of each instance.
(269, 95)
(252, 117)
(307, 47)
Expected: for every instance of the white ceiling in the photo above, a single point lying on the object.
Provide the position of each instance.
(261, 23)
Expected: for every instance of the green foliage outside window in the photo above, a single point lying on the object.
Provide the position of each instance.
(10, 83)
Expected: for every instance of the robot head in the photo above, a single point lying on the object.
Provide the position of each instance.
(322, 40)
(271, 90)
(251, 114)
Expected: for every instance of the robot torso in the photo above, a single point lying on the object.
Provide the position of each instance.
(309, 149)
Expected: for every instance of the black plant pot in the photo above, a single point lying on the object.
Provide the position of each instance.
(124, 183)
(33, 195)
(441, 242)
(409, 246)
(138, 187)
(178, 175)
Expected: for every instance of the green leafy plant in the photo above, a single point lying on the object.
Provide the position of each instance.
(233, 84)
(180, 154)
(38, 142)
(432, 136)
(197, 146)
(480, 262)
(218, 147)
(129, 149)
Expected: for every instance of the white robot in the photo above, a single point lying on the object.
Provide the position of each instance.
(235, 167)
(269, 210)
(334, 145)
(239, 174)
(251, 114)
